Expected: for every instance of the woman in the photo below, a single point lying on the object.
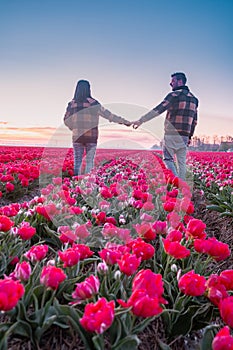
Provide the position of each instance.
(82, 117)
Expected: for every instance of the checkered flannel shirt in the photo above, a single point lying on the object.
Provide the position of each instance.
(83, 119)
(181, 106)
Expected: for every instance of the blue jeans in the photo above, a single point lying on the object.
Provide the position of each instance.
(79, 149)
(175, 145)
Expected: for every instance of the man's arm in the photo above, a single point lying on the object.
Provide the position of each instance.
(145, 118)
(155, 112)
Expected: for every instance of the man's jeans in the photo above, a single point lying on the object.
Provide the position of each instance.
(79, 148)
(175, 145)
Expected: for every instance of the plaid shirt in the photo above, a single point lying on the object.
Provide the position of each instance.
(181, 106)
(83, 119)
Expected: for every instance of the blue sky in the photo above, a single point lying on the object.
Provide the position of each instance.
(127, 49)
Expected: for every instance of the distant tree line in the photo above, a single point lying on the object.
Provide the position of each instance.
(212, 143)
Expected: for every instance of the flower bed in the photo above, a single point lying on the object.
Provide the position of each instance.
(106, 254)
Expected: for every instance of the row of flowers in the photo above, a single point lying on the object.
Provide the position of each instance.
(213, 174)
(108, 253)
(22, 167)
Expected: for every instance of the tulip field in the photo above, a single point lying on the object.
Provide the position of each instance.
(114, 259)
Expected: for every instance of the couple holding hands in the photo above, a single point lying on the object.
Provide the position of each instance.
(83, 112)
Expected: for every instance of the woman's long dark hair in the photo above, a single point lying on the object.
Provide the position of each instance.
(82, 91)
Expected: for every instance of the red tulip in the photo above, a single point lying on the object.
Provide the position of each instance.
(226, 307)
(186, 206)
(105, 192)
(5, 223)
(192, 284)
(84, 251)
(216, 291)
(47, 211)
(99, 316)
(226, 278)
(143, 305)
(25, 231)
(170, 204)
(37, 252)
(52, 276)
(129, 263)
(218, 250)
(22, 271)
(145, 231)
(141, 249)
(174, 219)
(69, 257)
(149, 281)
(160, 227)
(175, 249)
(195, 229)
(66, 234)
(86, 289)
(10, 187)
(174, 235)
(81, 231)
(223, 340)
(148, 206)
(112, 253)
(10, 293)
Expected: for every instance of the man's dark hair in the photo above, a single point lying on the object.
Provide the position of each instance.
(180, 76)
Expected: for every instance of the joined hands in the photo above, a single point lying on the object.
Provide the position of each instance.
(135, 124)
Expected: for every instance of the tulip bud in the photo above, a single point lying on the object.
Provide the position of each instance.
(117, 275)
(174, 268)
(178, 274)
(51, 262)
(102, 268)
(122, 219)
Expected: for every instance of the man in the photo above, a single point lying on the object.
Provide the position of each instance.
(181, 119)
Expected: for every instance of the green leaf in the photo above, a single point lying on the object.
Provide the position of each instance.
(195, 317)
(215, 207)
(72, 317)
(4, 327)
(208, 337)
(62, 322)
(23, 329)
(181, 303)
(130, 342)
(166, 317)
(98, 342)
(142, 325)
(226, 213)
(3, 343)
(162, 345)
(121, 310)
(115, 331)
(38, 291)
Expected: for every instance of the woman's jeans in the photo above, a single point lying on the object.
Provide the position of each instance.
(175, 145)
(79, 149)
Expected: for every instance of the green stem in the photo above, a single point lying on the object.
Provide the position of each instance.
(169, 259)
(43, 298)
(132, 322)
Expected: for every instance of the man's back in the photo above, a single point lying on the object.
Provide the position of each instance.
(181, 107)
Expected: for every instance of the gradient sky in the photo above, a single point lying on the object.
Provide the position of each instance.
(127, 49)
